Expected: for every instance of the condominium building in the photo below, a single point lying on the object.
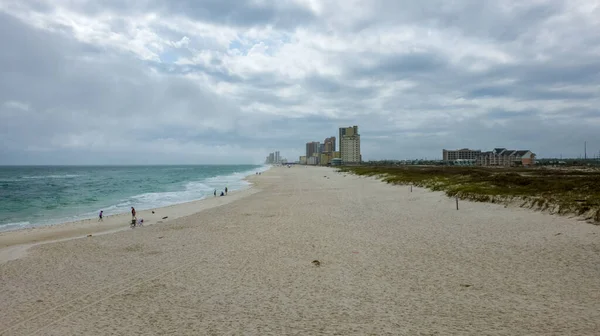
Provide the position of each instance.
(460, 154)
(350, 145)
(312, 148)
(329, 145)
(352, 130)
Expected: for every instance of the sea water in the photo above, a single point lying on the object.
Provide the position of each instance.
(42, 195)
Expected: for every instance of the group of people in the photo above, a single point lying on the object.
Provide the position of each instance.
(139, 222)
(222, 193)
(134, 220)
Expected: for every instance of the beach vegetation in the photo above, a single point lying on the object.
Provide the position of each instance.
(562, 191)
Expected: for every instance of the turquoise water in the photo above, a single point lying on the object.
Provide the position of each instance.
(42, 195)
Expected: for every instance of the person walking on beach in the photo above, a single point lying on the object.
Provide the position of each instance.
(132, 213)
(225, 190)
(100, 216)
(215, 193)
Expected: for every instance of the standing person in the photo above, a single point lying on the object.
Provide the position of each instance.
(225, 190)
(132, 213)
(100, 215)
(215, 193)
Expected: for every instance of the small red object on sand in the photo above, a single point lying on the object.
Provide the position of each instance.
(355, 252)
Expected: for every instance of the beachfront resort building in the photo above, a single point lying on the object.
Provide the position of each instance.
(275, 158)
(312, 148)
(329, 145)
(460, 154)
(318, 153)
(350, 145)
(327, 151)
(270, 158)
(497, 157)
(507, 158)
(313, 160)
(344, 131)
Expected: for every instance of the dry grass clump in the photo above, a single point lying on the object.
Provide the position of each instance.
(566, 192)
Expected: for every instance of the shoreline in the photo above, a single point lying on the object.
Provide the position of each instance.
(15, 243)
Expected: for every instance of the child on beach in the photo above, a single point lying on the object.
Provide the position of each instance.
(100, 216)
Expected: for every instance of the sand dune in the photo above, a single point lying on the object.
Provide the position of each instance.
(390, 262)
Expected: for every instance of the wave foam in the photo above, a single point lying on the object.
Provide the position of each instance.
(192, 191)
(14, 226)
(35, 177)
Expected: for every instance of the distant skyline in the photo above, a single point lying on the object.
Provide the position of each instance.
(227, 82)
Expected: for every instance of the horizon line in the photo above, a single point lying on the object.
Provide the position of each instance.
(131, 165)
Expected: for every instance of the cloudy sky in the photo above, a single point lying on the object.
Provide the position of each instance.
(227, 81)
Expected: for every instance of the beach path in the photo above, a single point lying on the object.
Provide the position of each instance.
(317, 252)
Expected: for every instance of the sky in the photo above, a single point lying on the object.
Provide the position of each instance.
(228, 81)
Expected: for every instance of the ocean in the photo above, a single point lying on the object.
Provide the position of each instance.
(44, 195)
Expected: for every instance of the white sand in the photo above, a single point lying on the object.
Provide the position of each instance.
(392, 262)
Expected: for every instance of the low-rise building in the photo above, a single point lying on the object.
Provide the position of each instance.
(325, 159)
(460, 154)
(302, 160)
(336, 162)
(312, 160)
(497, 157)
(506, 157)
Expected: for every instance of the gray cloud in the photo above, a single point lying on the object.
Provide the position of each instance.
(78, 86)
(240, 13)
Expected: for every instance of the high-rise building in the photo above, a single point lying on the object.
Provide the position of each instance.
(277, 158)
(312, 148)
(350, 145)
(347, 131)
(329, 145)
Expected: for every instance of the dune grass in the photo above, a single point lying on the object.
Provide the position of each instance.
(565, 192)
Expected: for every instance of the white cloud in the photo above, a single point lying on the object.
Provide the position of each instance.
(237, 78)
(17, 105)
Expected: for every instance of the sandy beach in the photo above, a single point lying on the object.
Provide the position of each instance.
(390, 262)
